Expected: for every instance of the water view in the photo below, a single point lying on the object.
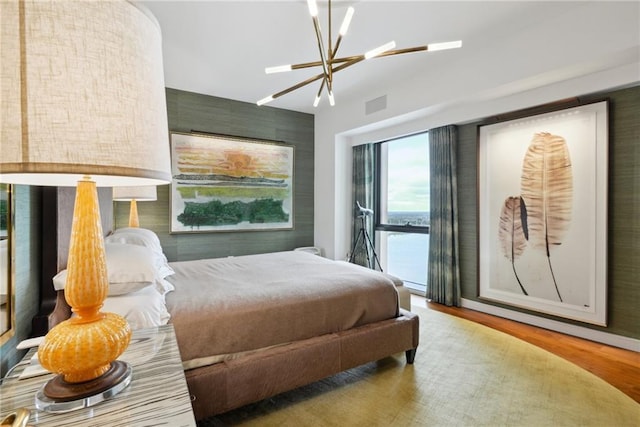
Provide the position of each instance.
(407, 252)
(407, 256)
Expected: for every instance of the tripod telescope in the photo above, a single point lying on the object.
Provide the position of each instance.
(363, 241)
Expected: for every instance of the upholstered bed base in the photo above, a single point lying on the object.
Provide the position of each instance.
(224, 386)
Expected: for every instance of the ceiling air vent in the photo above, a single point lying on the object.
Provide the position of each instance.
(375, 105)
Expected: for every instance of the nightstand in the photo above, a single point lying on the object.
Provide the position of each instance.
(157, 395)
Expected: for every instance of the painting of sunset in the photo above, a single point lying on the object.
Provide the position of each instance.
(223, 183)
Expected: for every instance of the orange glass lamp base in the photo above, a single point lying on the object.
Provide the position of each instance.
(83, 348)
(84, 351)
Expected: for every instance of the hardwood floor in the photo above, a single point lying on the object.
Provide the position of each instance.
(619, 367)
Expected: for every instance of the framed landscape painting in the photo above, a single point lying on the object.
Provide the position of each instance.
(222, 183)
(543, 212)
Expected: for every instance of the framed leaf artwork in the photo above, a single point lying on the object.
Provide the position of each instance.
(222, 183)
(543, 212)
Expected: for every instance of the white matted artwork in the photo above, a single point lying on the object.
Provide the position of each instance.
(543, 212)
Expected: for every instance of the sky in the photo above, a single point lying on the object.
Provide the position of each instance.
(408, 179)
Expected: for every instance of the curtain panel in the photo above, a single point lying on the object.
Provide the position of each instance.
(363, 193)
(443, 277)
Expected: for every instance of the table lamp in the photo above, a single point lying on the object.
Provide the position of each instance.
(82, 100)
(134, 195)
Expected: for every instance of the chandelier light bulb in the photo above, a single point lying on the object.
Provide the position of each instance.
(313, 7)
(265, 100)
(379, 50)
(332, 101)
(278, 69)
(346, 21)
(316, 101)
(444, 46)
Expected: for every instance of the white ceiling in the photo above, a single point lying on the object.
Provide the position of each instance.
(221, 48)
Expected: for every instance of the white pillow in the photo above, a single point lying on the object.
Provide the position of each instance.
(164, 286)
(60, 279)
(138, 236)
(142, 309)
(129, 268)
(130, 263)
(146, 238)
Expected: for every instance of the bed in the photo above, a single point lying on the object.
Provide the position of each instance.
(253, 326)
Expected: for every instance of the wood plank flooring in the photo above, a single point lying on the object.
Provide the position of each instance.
(619, 367)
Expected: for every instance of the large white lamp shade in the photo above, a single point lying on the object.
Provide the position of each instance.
(82, 101)
(82, 94)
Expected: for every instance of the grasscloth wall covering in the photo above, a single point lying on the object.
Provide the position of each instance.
(27, 270)
(623, 213)
(189, 112)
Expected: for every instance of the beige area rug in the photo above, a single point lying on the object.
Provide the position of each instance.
(464, 374)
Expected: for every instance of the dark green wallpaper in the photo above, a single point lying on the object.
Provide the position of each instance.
(191, 112)
(623, 263)
(27, 270)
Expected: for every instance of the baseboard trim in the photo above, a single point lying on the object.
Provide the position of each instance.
(554, 325)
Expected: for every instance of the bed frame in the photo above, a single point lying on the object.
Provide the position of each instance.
(225, 386)
(221, 387)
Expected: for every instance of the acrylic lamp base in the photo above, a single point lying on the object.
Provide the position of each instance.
(58, 396)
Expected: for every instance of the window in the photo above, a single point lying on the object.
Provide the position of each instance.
(402, 208)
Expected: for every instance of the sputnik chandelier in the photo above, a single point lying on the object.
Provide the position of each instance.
(331, 65)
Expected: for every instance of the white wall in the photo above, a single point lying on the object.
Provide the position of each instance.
(593, 47)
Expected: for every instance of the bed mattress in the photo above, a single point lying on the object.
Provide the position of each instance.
(235, 305)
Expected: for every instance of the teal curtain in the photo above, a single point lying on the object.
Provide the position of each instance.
(363, 193)
(443, 277)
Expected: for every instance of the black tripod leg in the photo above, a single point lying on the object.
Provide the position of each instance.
(373, 249)
(366, 250)
(365, 239)
(355, 245)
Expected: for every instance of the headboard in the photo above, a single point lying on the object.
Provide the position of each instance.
(65, 204)
(57, 218)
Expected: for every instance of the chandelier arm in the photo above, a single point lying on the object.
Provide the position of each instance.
(312, 64)
(306, 65)
(323, 57)
(321, 87)
(387, 53)
(403, 51)
(347, 59)
(352, 61)
(316, 100)
(315, 78)
(329, 35)
(351, 58)
(298, 86)
(335, 49)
